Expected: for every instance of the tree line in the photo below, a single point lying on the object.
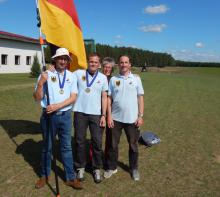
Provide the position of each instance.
(138, 57)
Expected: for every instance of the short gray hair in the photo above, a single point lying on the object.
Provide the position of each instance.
(108, 60)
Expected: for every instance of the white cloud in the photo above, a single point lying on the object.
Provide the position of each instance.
(153, 28)
(188, 55)
(159, 9)
(199, 45)
(118, 36)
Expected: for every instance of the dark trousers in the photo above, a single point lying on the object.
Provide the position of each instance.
(107, 140)
(81, 122)
(132, 134)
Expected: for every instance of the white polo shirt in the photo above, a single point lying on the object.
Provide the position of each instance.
(70, 86)
(89, 102)
(124, 92)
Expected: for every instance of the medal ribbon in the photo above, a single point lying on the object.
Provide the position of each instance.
(64, 79)
(93, 79)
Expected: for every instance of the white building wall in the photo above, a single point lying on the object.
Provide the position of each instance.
(22, 49)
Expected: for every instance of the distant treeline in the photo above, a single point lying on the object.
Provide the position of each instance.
(196, 64)
(138, 57)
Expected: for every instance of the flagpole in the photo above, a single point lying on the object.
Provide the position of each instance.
(50, 127)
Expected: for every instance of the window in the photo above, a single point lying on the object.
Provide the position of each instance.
(4, 59)
(17, 60)
(28, 60)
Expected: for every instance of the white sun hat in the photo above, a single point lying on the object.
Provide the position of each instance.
(62, 52)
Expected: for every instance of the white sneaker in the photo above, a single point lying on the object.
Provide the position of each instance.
(135, 175)
(97, 176)
(109, 173)
(80, 174)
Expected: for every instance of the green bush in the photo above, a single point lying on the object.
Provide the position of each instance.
(35, 69)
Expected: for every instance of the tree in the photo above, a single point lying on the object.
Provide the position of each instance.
(35, 68)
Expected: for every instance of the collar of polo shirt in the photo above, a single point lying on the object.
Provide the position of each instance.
(122, 76)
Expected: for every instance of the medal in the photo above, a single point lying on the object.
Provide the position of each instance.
(61, 84)
(61, 91)
(89, 84)
(87, 90)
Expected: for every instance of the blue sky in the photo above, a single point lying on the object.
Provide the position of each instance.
(187, 29)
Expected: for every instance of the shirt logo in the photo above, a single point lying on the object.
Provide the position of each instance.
(83, 78)
(117, 83)
(53, 79)
(98, 81)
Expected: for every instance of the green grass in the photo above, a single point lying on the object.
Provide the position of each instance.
(182, 108)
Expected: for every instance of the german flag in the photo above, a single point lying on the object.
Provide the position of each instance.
(60, 25)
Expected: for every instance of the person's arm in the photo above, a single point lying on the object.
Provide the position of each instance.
(54, 107)
(109, 113)
(39, 93)
(104, 109)
(140, 120)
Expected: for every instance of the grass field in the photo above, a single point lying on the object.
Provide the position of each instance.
(182, 106)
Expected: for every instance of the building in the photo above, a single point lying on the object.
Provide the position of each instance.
(17, 52)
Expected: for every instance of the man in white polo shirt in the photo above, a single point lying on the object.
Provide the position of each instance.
(125, 111)
(56, 117)
(90, 111)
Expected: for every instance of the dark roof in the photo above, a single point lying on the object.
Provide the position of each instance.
(11, 36)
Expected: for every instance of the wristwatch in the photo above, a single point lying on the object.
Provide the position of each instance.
(140, 115)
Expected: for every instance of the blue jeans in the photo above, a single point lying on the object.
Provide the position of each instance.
(61, 124)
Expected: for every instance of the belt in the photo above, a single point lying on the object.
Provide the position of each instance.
(57, 113)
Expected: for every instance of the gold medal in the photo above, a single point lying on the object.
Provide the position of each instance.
(87, 90)
(61, 91)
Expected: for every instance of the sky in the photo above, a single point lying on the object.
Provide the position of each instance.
(187, 29)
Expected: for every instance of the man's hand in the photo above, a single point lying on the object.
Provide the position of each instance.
(52, 108)
(139, 122)
(102, 121)
(43, 78)
(110, 122)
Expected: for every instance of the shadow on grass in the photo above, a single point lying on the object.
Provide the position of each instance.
(29, 149)
(17, 127)
(124, 166)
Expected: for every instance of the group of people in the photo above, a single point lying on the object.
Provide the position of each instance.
(98, 101)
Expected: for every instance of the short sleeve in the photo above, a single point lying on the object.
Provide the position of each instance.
(105, 84)
(140, 90)
(110, 87)
(74, 88)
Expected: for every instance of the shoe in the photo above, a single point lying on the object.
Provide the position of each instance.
(76, 184)
(41, 182)
(97, 176)
(109, 173)
(135, 175)
(80, 174)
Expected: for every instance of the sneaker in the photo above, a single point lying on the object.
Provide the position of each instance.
(76, 184)
(109, 173)
(135, 175)
(97, 176)
(80, 174)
